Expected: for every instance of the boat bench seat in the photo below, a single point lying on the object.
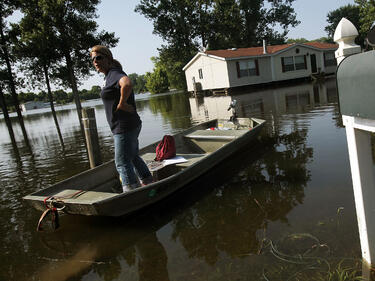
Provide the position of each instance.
(216, 134)
(86, 197)
(165, 170)
(191, 159)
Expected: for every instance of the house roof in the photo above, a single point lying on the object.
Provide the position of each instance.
(258, 51)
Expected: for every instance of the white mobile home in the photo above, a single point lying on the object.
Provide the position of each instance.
(29, 105)
(223, 69)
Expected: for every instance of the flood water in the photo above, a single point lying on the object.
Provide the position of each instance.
(281, 210)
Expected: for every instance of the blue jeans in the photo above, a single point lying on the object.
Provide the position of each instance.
(127, 158)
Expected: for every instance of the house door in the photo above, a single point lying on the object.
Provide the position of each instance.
(313, 63)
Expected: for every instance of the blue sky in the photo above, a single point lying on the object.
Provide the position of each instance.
(138, 44)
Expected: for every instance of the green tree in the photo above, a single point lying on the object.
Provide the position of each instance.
(297, 40)
(259, 21)
(203, 20)
(133, 77)
(157, 81)
(226, 17)
(4, 108)
(324, 40)
(42, 96)
(170, 61)
(366, 14)
(7, 7)
(8, 100)
(25, 97)
(174, 21)
(304, 40)
(141, 84)
(138, 82)
(95, 91)
(75, 32)
(189, 22)
(350, 12)
(36, 50)
(84, 94)
(61, 96)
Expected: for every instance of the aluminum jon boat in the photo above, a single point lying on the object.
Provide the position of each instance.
(96, 192)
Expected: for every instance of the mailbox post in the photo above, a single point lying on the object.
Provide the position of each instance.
(356, 89)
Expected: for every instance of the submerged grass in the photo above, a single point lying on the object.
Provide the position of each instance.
(315, 272)
(301, 256)
(310, 263)
(341, 273)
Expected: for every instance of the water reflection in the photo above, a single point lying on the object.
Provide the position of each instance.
(108, 249)
(257, 191)
(277, 101)
(168, 106)
(220, 227)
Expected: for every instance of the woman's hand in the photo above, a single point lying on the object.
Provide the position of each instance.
(125, 107)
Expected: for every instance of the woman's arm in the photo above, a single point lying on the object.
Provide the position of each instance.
(125, 91)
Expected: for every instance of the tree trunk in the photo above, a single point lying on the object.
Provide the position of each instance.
(12, 86)
(73, 84)
(50, 97)
(6, 116)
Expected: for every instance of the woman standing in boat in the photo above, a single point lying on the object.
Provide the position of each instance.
(123, 119)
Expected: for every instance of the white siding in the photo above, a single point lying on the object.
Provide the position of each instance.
(308, 52)
(265, 73)
(280, 75)
(214, 71)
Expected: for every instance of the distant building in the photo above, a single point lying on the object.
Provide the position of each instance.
(224, 69)
(33, 105)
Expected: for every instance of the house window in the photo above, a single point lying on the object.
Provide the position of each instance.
(300, 62)
(247, 68)
(293, 63)
(200, 72)
(329, 59)
(288, 64)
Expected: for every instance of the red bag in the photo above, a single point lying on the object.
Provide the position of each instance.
(166, 148)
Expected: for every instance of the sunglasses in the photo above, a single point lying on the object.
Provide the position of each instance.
(97, 58)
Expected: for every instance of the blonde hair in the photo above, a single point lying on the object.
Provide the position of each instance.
(106, 52)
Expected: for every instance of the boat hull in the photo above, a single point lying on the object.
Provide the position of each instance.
(95, 183)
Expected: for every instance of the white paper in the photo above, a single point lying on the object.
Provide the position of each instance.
(175, 160)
